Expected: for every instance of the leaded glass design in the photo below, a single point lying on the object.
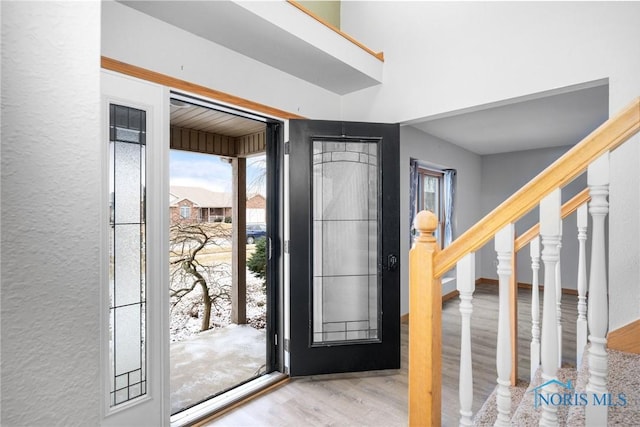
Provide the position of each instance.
(127, 272)
(345, 241)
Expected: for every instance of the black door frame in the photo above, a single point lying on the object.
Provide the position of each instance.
(275, 237)
(274, 135)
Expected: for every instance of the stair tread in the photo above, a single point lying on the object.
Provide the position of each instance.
(488, 413)
(527, 414)
(624, 377)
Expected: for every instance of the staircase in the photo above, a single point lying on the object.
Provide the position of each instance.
(624, 378)
(602, 391)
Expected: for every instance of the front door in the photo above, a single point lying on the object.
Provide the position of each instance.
(344, 247)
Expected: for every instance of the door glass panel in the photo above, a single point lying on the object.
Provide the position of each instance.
(127, 341)
(345, 241)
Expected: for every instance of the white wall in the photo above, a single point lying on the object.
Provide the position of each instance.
(445, 56)
(502, 175)
(50, 213)
(135, 38)
(419, 145)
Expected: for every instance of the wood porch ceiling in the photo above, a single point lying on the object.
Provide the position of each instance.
(211, 121)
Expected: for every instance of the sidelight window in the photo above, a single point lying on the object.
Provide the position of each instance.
(127, 263)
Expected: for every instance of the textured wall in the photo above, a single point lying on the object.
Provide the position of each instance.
(50, 205)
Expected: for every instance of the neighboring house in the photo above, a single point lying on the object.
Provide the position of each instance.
(442, 59)
(195, 204)
(256, 209)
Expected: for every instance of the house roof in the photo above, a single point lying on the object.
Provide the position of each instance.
(200, 197)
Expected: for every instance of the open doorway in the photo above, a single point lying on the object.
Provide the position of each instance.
(223, 290)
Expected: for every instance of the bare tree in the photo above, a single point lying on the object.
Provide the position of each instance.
(193, 266)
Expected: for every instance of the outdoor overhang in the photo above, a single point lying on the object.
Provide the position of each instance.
(276, 33)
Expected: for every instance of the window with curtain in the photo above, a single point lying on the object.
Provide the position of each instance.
(433, 189)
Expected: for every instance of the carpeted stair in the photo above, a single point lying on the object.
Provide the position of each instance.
(624, 377)
(527, 414)
(488, 413)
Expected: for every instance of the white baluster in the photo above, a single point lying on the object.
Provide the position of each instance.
(504, 248)
(466, 284)
(581, 323)
(598, 313)
(559, 299)
(534, 248)
(550, 236)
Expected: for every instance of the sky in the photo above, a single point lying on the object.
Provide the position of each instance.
(212, 173)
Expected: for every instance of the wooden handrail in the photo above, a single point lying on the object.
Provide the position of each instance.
(567, 209)
(377, 55)
(605, 138)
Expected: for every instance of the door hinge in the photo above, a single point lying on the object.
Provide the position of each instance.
(287, 147)
(286, 246)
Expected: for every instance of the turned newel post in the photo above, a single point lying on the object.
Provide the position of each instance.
(581, 323)
(535, 306)
(466, 284)
(550, 237)
(504, 249)
(598, 304)
(425, 326)
(559, 297)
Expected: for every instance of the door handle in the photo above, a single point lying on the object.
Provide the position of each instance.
(392, 262)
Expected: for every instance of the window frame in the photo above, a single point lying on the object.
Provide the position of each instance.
(187, 209)
(423, 172)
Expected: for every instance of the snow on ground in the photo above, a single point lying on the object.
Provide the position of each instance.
(186, 317)
(214, 361)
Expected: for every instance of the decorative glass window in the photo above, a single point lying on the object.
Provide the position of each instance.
(185, 212)
(346, 288)
(127, 267)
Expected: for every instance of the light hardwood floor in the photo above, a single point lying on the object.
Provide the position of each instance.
(380, 398)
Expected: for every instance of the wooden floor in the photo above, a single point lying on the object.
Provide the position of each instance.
(380, 398)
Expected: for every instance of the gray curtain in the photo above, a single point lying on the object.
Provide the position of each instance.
(449, 185)
(413, 194)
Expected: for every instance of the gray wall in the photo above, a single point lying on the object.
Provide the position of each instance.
(429, 149)
(502, 175)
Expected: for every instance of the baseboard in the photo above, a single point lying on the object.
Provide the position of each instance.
(626, 338)
(521, 285)
(450, 295)
(405, 317)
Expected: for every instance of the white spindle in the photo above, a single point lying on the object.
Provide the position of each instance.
(598, 313)
(559, 298)
(550, 236)
(534, 248)
(466, 284)
(504, 248)
(581, 323)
